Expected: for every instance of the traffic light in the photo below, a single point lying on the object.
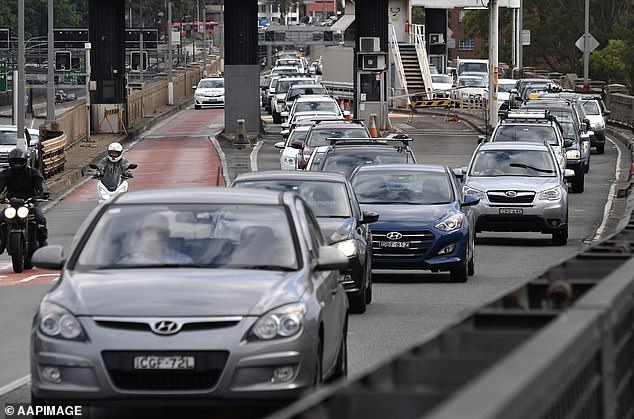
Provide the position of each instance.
(62, 60)
(135, 60)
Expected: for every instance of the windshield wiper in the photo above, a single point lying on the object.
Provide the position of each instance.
(149, 266)
(525, 166)
(260, 267)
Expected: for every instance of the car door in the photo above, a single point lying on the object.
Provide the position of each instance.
(328, 289)
(362, 231)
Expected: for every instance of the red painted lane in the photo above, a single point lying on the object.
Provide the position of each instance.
(176, 155)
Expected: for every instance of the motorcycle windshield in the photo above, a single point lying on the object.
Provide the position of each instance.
(111, 181)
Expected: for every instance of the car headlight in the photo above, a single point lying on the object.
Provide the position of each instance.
(9, 212)
(57, 322)
(573, 154)
(451, 223)
(23, 212)
(289, 160)
(347, 247)
(283, 322)
(475, 192)
(550, 194)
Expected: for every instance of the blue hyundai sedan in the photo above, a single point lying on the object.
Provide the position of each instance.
(424, 219)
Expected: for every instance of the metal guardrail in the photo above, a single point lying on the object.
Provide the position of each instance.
(53, 155)
(561, 346)
(341, 90)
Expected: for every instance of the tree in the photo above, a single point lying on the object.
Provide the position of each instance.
(418, 15)
(607, 63)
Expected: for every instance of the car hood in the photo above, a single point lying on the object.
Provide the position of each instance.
(442, 86)
(214, 91)
(329, 226)
(409, 215)
(172, 292)
(512, 183)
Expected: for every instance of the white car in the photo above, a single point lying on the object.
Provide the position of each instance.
(469, 87)
(442, 84)
(9, 141)
(292, 147)
(315, 104)
(210, 92)
(504, 91)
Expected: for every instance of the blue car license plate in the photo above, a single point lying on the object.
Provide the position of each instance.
(395, 244)
(511, 211)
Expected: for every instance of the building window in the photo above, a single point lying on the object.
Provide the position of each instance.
(274, 8)
(466, 45)
(461, 15)
(262, 8)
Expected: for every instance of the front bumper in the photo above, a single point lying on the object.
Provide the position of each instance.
(224, 374)
(209, 101)
(543, 216)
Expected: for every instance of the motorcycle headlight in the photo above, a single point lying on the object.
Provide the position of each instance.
(23, 212)
(57, 322)
(347, 247)
(283, 322)
(550, 194)
(573, 154)
(475, 192)
(9, 212)
(451, 223)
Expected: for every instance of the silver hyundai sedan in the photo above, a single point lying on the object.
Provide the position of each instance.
(217, 295)
(521, 188)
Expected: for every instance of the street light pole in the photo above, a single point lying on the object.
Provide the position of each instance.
(170, 82)
(141, 44)
(204, 40)
(21, 76)
(50, 72)
(586, 48)
(493, 63)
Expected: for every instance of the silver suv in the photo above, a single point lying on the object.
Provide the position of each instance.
(521, 188)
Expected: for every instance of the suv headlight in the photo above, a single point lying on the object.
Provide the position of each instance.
(281, 322)
(550, 195)
(57, 322)
(451, 223)
(573, 154)
(347, 247)
(475, 192)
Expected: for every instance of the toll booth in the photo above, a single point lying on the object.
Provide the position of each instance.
(371, 85)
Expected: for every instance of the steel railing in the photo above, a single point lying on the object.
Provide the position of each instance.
(400, 70)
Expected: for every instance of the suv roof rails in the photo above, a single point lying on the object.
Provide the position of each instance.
(372, 141)
(317, 122)
(527, 115)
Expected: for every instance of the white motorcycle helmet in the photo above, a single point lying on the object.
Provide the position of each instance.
(115, 152)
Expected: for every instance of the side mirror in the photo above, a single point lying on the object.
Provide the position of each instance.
(346, 113)
(132, 166)
(607, 112)
(584, 127)
(284, 114)
(49, 257)
(298, 145)
(470, 200)
(513, 91)
(285, 125)
(285, 133)
(331, 259)
(568, 143)
(369, 217)
(280, 145)
(481, 139)
(194, 87)
(590, 133)
(569, 173)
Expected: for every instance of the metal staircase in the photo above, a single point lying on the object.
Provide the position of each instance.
(414, 77)
(411, 67)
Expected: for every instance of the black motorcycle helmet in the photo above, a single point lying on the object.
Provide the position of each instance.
(18, 159)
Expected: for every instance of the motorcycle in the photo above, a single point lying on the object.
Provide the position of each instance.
(20, 231)
(111, 184)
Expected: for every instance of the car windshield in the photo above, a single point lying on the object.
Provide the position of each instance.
(289, 62)
(591, 108)
(294, 93)
(199, 236)
(325, 198)
(505, 88)
(322, 106)
(471, 82)
(441, 78)
(8, 138)
(473, 67)
(346, 162)
(211, 84)
(284, 85)
(568, 129)
(298, 135)
(319, 137)
(416, 188)
(526, 163)
(531, 133)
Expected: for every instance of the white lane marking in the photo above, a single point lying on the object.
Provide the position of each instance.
(4, 266)
(15, 384)
(611, 195)
(32, 277)
(254, 156)
(158, 136)
(223, 159)
(3, 277)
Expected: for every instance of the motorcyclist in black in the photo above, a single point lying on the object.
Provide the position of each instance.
(23, 181)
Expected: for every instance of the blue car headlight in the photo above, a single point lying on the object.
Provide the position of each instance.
(281, 322)
(57, 322)
(451, 223)
(347, 247)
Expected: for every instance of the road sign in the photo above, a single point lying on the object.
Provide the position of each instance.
(70, 76)
(592, 43)
(3, 82)
(525, 36)
(4, 39)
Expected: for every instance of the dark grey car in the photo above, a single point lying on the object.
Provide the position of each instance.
(243, 301)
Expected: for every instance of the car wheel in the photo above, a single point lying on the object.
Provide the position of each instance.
(318, 380)
(601, 148)
(341, 368)
(460, 274)
(358, 302)
(471, 266)
(587, 168)
(578, 182)
(277, 118)
(368, 289)
(196, 107)
(560, 237)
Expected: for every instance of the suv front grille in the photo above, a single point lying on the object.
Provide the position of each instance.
(417, 242)
(501, 197)
(205, 375)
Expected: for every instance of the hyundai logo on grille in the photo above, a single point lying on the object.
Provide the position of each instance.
(165, 327)
(394, 235)
(511, 194)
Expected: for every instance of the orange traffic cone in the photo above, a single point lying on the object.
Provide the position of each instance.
(374, 133)
(348, 109)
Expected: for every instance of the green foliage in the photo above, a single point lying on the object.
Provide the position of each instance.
(418, 15)
(607, 63)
